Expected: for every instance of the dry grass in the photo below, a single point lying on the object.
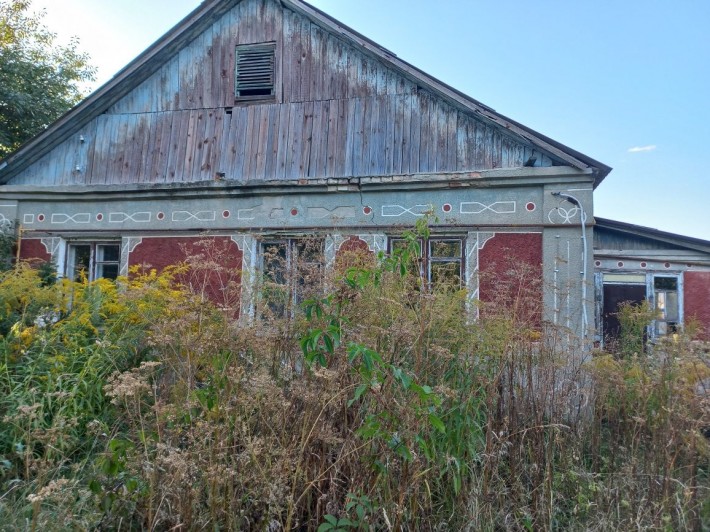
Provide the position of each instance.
(378, 407)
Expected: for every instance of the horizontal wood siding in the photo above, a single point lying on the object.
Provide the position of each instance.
(338, 112)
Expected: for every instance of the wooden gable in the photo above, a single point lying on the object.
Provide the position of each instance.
(339, 110)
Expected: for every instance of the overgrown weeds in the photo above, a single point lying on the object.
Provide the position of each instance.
(366, 401)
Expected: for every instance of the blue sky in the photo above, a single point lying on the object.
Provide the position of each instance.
(625, 82)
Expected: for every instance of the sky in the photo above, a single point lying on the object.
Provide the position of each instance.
(624, 82)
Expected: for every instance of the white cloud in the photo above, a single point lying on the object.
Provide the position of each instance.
(637, 149)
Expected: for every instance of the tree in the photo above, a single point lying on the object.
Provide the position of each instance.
(39, 79)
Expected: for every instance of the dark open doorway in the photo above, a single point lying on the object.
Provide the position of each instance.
(614, 296)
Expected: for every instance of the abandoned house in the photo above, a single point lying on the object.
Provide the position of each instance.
(256, 123)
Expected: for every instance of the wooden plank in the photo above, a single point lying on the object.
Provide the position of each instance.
(398, 102)
(341, 139)
(488, 148)
(147, 132)
(415, 129)
(163, 158)
(292, 53)
(238, 128)
(295, 140)
(90, 139)
(191, 141)
(425, 138)
(272, 142)
(321, 137)
(304, 167)
(451, 138)
(227, 149)
(362, 149)
(353, 60)
(371, 77)
(380, 74)
(406, 103)
(179, 146)
(132, 147)
(440, 136)
(306, 59)
(480, 157)
(252, 141)
(318, 65)
(117, 147)
(203, 165)
(99, 151)
(274, 20)
(377, 132)
(497, 150)
(262, 146)
(104, 143)
(353, 139)
(389, 126)
(462, 133)
(282, 147)
(332, 151)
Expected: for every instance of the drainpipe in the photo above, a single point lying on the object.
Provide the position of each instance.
(583, 217)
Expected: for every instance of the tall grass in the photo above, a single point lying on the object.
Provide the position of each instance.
(377, 405)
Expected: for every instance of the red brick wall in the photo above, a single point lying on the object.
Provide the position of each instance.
(32, 249)
(510, 268)
(215, 263)
(696, 299)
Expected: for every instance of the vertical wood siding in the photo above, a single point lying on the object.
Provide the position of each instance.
(337, 113)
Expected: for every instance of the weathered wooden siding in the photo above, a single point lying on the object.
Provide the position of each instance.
(338, 112)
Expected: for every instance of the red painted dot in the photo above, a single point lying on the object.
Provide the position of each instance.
(99, 217)
(40, 217)
(620, 264)
(225, 214)
(294, 212)
(367, 210)
(160, 215)
(667, 265)
(597, 263)
(530, 206)
(643, 264)
(446, 207)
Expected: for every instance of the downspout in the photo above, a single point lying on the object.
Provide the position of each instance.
(583, 217)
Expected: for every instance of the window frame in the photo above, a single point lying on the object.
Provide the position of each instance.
(289, 277)
(95, 264)
(663, 325)
(427, 258)
(239, 50)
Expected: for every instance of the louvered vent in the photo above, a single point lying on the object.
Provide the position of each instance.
(255, 71)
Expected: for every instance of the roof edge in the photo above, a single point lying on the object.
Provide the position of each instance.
(697, 244)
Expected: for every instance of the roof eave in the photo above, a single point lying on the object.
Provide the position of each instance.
(697, 244)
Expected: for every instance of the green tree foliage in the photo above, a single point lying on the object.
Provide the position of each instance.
(39, 79)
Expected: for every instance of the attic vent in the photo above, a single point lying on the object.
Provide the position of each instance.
(255, 72)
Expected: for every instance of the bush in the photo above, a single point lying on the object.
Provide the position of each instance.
(378, 405)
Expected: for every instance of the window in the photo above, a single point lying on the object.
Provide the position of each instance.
(292, 271)
(441, 260)
(254, 72)
(665, 290)
(93, 260)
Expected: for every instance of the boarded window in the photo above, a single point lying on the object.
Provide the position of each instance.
(254, 76)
